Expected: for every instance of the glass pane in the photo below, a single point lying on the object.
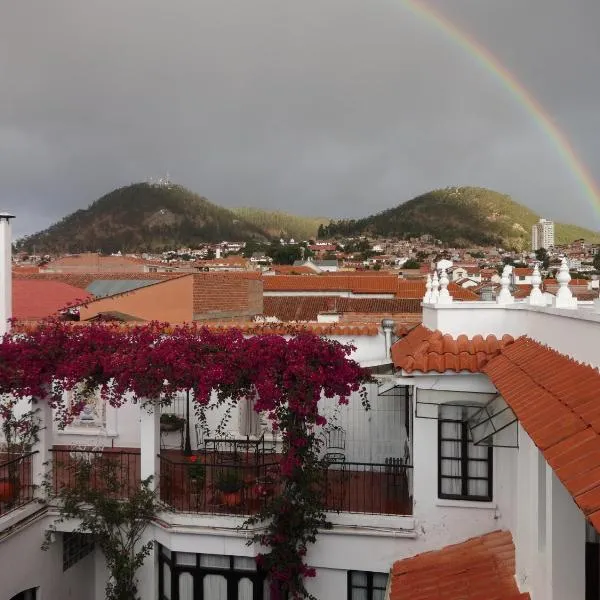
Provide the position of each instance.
(215, 587)
(477, 451)
(359, 579)
(451, 467)
(451, 487)
(450, 449)
(166, 591)
(378, 594)
(214, 560)
(245, 589)
(244, 563)
(478, 488)
(186, 586)
(359, 594)
(185, 558)
(380, 580)
(451, 430)
(478, 469)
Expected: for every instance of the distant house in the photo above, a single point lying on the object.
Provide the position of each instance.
(521, 276)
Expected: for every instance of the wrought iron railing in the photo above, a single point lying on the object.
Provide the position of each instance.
(114, 468)
(16, 481)
(369, 488)
(217, 483)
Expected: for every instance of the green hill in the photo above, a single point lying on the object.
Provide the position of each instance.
(143, 217)
(278, 224)
(458, 216)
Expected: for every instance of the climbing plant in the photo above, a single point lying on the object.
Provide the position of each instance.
(286, 377)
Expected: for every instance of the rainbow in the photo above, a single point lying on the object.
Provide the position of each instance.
(519, 92)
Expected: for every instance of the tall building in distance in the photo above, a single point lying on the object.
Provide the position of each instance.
(542, 235)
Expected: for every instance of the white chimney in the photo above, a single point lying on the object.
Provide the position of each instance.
(218, 252)
(5, 272)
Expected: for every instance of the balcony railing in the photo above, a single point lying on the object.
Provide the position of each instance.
(16, 481)
(237, 483)
(205, 485)
(120, 467)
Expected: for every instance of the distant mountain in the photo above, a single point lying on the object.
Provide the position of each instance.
(143, 217)
(280, 224)
(458, 216)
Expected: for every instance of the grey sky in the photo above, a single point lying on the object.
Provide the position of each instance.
(323, 107)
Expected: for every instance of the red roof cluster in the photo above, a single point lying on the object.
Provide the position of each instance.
(425, 351)
(480, 568)
(556, 400)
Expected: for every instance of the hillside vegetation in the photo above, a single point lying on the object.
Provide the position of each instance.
(458, 216)
(280, 224)
(143, 217)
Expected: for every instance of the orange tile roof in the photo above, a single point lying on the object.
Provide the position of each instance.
(307, 308)
(358, 284)
(556, 400)
(34, 300)
(482, 568)
(522, 271)
(425, 351)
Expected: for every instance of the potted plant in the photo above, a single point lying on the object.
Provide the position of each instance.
(196, 472)
(171, 422)
(230, 483)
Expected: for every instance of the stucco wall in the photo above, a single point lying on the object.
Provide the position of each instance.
(25, 565)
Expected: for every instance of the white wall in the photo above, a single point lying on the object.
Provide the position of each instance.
(24, 565)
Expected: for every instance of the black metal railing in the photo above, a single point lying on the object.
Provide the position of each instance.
(16, 481)
(217, 484)
(111, 470)
(368, 488)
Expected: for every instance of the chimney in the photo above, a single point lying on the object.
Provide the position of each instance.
(5, 272)
(388, 326)
(218, 252)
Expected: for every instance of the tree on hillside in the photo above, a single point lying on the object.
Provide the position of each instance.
(596, 261)
(411, 263)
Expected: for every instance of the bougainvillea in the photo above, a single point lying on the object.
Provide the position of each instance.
(285, 377)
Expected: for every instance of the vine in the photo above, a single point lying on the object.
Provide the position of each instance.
(152, 363)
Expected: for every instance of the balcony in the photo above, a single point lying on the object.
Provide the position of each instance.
(16, 481)
(239, 482)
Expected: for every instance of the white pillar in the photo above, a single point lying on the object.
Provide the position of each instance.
(536, 298)
(504, 296)
(150, 443)
(41, 461)
(564, 297)
(5, 271)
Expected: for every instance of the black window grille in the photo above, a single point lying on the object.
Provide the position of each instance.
(75, 547)
(365, 585)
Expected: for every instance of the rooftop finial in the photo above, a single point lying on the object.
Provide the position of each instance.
(427, 296)
(505, 297)
(444, 295)
(564, 298)
(536, 297)
(435, 288)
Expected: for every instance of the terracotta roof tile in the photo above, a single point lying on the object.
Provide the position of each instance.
(556, 400)
(358, 284)
(481, 568)
(426, 351)
(35, 300)
(307, 308)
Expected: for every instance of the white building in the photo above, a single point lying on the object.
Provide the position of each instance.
(542, 235)
(484, 432)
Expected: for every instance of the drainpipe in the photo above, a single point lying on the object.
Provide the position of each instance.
(5, 272)
(388, 329)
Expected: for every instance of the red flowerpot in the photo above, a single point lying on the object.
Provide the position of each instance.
(7, 490)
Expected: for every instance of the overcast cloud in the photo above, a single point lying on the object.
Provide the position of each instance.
(320, 107)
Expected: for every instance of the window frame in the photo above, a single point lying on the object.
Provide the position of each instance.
(464, 459)
(370, 589)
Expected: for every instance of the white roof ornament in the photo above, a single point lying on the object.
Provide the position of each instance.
(444, 295)
(505, 297)
(564, 297)
(536, 297)
(427, 296)
(435, 288)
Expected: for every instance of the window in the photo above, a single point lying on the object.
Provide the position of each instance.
(187, 576)
(75, 547)
(464, 469)
(364, 585)
(93, 413)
